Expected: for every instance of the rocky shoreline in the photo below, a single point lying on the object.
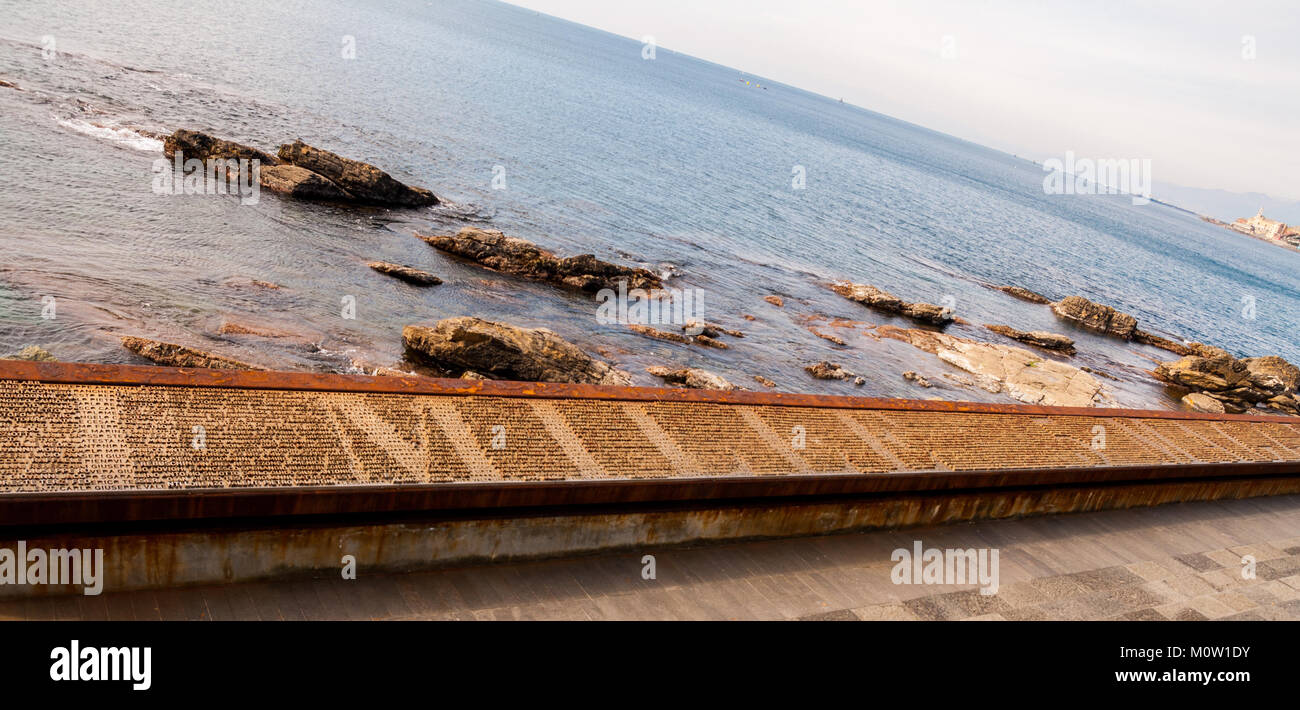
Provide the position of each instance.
(1036, 369)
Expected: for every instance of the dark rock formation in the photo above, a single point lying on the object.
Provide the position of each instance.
(520, 257)
(886, 302)
(506, 352)
(180, 356)
(364, 182)
(405, 273)
(692, 377)
(1040, 338)
(300, 183)
(1095, 316)
(1024, 294)
(195, 144)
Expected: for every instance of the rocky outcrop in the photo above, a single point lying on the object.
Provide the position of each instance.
(196, 144)
(9, 85)
(506, 352)
(886, 302)
(300, 183)
(1195, 372)
(363, 181)
(1014, 371)
(1095, 316)
(764, 381)
(405, 273)
(520, 257)
(1141, 336)
(692, 377)
(1037, 338)
(1239, 385)
(1024, 294)
(775, 300)
(1272, 373)
(180, 355)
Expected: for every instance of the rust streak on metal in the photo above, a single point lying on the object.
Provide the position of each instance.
(29, 509)
(139, 375)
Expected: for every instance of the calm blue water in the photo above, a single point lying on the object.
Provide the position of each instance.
(673, 163)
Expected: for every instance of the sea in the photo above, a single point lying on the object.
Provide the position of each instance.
(734, 186)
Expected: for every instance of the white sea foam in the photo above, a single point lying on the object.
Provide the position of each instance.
(116, 134)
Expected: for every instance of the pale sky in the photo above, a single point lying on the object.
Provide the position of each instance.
(1158, 79)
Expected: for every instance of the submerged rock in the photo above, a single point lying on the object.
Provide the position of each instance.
(712, 330)
(1002, 368)
(521, 257)
(764, 381)
(34, 353)
(1024, 294)
(405, 273)
(9, 85)
(506, 352)
(886, 302)
(1039, 338)
(196, 144)
(918, 379)
(775, 300)
(301, 183)
(180, 355)
(1095, 316)
(668, 335)
(692, 377)
(362, 181)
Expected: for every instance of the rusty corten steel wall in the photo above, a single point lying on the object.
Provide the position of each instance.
(102, 442)
(229, 554)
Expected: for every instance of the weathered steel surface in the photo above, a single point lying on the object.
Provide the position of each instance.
(37, 509)
(97, 443)
(139, 375)
(231, 554)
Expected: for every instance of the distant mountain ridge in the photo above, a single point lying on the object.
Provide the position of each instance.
(1225, 205)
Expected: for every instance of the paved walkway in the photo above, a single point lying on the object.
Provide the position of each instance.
(1171, 562)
